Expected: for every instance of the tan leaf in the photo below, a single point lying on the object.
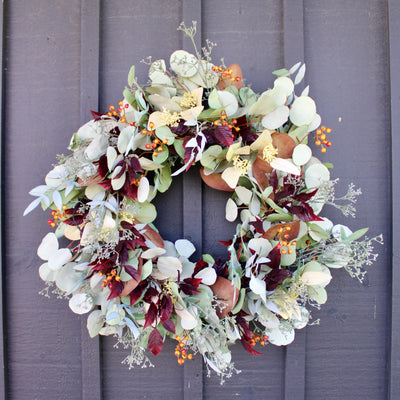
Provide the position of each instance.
(225, 82)
(215, 181)
(226, 293)
(273, 232)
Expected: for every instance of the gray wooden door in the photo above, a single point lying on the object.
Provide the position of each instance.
(61, 58)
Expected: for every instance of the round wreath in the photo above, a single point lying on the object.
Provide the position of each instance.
(142, 288)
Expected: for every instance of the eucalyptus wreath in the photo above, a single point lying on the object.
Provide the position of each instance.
(106, 256)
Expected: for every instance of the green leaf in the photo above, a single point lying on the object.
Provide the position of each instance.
(161, 155)
(147, 269)
(163, 132)
(131, 76)
(273, 205)
(266, 193)
(281, 72)
(279, 217)
(208, 258)
(211, 157)
(129, 96)
(163, 178)
(328, 165)
(320, 232)
(240, 301)
(178, 145)
(210, 114)
(299, 134)
(356, 235)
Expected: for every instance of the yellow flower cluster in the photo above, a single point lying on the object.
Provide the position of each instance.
(171, 118)
(189, 100)
(242, 165)
(269, 152)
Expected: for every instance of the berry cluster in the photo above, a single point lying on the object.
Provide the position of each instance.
(226, 74)
(57, 216)
(320, 138)
(256, 337)
(284, 244)
(120, 112)
(156, 144)
(181, 350)
(110, 276)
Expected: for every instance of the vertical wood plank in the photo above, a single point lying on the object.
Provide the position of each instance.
(3, 352)
(90, 37)
(295, 357)
(394, 54)
(192, 210)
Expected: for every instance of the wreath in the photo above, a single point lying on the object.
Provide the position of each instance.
(142, 288)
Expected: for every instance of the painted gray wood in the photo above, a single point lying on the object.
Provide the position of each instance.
(89, 89)
(41, 111)
(3, 379)
(346, 51)
(59, 55)
(394, 350)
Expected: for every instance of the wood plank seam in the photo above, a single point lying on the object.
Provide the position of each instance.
(90, 37)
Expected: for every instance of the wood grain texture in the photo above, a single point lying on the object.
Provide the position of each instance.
(295, 355)
(3, 343)
(348, 76)
(42, 56)
(394, 350)
(89, 85)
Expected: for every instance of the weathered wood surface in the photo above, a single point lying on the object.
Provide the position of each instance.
(49, 77)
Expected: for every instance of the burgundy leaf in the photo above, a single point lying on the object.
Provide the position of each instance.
(201, 264)
(166, 307)
(129, 190)
(245, 329)
(273, 179)
(102, 168)
(225, 242)
(116, 289)
(151, 315)
(96, 115)
(123, 169)
(275, 257)
(275, 277)
(137, 293)
(258, 225)
(181, 129)
(223, 135)
(106, 184)
(248, 348)
(156, 341)
(151, 292)
(305, 196)
(135, 164)
(132, 272)
(189, 286)
(304, 213)
(168, 325)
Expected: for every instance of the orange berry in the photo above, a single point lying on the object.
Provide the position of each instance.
(190, 356)
(151, 125)
(323, 128)
(329, 144)
(223, 116)
(155, 154)
(177, 353)
(144, 131)
(328, 130)
(283, 251)
(123, 119)
(233, 79)
(318, 142)
(238, 78)
(111, 108)
(323, 150)
(323, 136)
(262, 343)
(148, 146)
(131, 123)
(160, 149)
(220, 69)
(234, 122)
(216, 123)
(181, 344)
(180, 361)
(165, 141)
(120, 103)
(109, 114)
